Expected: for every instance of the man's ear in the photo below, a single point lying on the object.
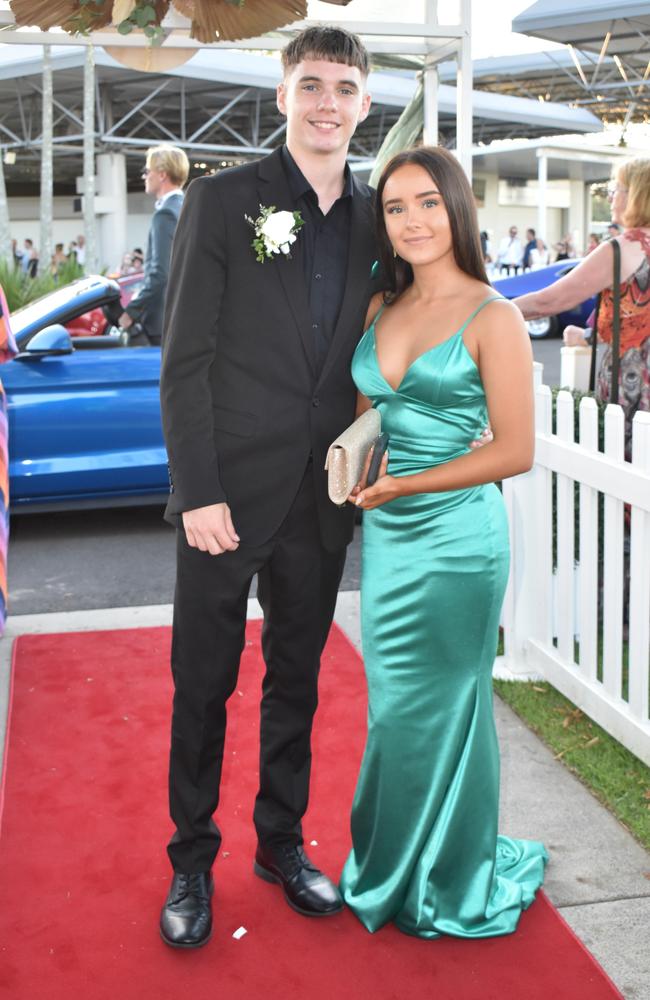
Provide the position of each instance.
(280, 98)
(365, 107)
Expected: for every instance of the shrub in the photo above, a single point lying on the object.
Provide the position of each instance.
(20, 289)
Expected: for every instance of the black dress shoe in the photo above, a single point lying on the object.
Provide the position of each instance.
(186, 918)
(306, 889)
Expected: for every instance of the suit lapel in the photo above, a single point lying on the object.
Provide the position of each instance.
(361, 255)
(273, 189)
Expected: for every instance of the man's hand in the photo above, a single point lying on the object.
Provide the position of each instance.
(574, 336)
(485, 438)
(125, 321)
(210, 529)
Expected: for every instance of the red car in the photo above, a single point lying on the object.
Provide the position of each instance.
(95, 323)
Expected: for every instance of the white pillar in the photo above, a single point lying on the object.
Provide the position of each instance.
(577, 221)
(111, 192)
(5, 234)
(430, 80)
(89, 161)
(45, 248)
(542, 178)
(464, 110)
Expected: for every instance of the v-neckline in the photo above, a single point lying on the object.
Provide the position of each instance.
(419, 357)
(430, 350)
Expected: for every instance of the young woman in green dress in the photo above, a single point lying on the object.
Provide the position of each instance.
(442, 354)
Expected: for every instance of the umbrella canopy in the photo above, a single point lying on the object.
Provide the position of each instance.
(211, 20)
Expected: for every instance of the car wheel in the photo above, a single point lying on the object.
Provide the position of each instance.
(544, 327)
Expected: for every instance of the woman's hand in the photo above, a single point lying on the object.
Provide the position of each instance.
(574, 336)
(485, 438)
(386, 488)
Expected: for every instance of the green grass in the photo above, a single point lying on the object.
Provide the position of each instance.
(614, 775)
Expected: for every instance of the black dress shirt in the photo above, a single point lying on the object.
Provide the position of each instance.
(323, 246)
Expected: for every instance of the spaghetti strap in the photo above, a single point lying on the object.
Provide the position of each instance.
(485, 302)
(375, 317)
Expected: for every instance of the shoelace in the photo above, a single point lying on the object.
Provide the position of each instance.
(298, 860)
(191, 885)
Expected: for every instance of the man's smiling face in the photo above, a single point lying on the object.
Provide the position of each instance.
(323, 102)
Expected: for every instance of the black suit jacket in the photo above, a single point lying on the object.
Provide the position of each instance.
(148, 306)
(242, 403)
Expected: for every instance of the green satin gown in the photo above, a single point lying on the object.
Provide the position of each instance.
(426, 854)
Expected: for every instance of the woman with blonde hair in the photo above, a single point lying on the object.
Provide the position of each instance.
(629, 195)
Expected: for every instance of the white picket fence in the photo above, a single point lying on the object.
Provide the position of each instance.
(567, 623)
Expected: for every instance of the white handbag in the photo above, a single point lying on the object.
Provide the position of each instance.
(347, 454)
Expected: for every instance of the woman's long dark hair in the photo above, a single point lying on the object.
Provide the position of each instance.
(451, 181)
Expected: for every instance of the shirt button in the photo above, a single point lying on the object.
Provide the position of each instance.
(315, 401)
(314, 326)
(318, 277)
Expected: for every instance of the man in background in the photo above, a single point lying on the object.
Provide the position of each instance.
(531, 244)
(80, 250)
(166, 171)
(510, 253)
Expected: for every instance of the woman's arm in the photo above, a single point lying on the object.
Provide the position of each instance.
(363, 404)
(505, 362)
(589, 277)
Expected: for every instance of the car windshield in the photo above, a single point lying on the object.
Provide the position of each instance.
(85, 292)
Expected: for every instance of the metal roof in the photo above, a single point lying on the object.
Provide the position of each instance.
(566, 159)
(606, 65)
(220, 106)
(585, 23)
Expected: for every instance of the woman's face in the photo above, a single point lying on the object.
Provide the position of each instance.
(415, 216)
(617, 194)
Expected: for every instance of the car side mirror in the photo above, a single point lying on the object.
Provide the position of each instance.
(53, 340)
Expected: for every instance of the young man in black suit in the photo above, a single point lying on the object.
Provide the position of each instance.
(255, 385)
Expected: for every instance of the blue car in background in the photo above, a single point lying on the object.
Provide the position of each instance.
(532, 281)
(84, 414)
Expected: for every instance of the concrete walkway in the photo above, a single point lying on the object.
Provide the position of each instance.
(598, 877)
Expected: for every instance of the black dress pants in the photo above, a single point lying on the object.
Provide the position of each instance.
(297, 586)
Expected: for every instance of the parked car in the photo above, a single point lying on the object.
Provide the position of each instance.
(95, 323)
(84, 413)
(532, 281)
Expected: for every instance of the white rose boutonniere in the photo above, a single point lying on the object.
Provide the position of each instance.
(274, 231)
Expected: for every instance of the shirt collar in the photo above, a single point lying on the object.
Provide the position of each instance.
(161, 201)
(298, 183)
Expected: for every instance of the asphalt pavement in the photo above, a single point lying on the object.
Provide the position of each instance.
(125, 556)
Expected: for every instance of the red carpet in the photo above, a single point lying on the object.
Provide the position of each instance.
(83, 869)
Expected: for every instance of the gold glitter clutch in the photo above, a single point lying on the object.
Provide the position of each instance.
(347, 454)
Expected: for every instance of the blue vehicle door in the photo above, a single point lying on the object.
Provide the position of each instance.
(85, 425)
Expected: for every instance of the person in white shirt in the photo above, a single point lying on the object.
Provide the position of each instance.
(80, 250)
(539, 255)
(511, 252)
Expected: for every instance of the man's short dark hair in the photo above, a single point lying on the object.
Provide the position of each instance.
(332, 44)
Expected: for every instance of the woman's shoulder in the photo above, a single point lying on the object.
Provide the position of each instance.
(638, 234)
(495, 312)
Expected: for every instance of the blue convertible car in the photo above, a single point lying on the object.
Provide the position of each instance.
(84, 415)
(533, 281)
